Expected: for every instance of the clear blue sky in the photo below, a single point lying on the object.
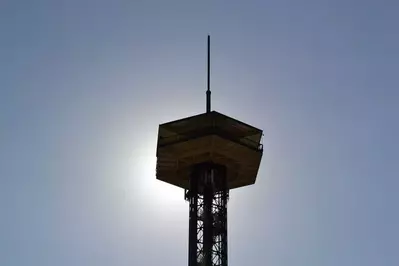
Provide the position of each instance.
(84, 85)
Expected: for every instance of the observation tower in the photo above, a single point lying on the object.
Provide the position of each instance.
(207, 155)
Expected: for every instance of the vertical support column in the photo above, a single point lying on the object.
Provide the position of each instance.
(223, 248)
(208, 216)
(192, 197)
(220, 219)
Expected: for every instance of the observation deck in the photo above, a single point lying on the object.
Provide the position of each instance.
(208, 138)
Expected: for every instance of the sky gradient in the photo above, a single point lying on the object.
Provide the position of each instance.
(85, 84)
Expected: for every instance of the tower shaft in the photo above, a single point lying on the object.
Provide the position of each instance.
(208, 196)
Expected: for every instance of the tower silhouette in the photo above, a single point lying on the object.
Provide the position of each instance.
(207, 155)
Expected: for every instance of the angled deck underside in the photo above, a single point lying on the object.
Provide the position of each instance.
(209, 137)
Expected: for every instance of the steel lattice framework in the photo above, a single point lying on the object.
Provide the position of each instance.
(208, 196)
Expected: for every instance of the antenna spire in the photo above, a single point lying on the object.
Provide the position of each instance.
(208, 92)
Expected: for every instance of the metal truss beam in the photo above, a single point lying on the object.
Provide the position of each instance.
(208, 196)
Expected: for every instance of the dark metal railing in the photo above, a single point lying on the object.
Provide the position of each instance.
(212, 130)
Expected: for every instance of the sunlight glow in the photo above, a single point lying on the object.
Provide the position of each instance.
(145, 186)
